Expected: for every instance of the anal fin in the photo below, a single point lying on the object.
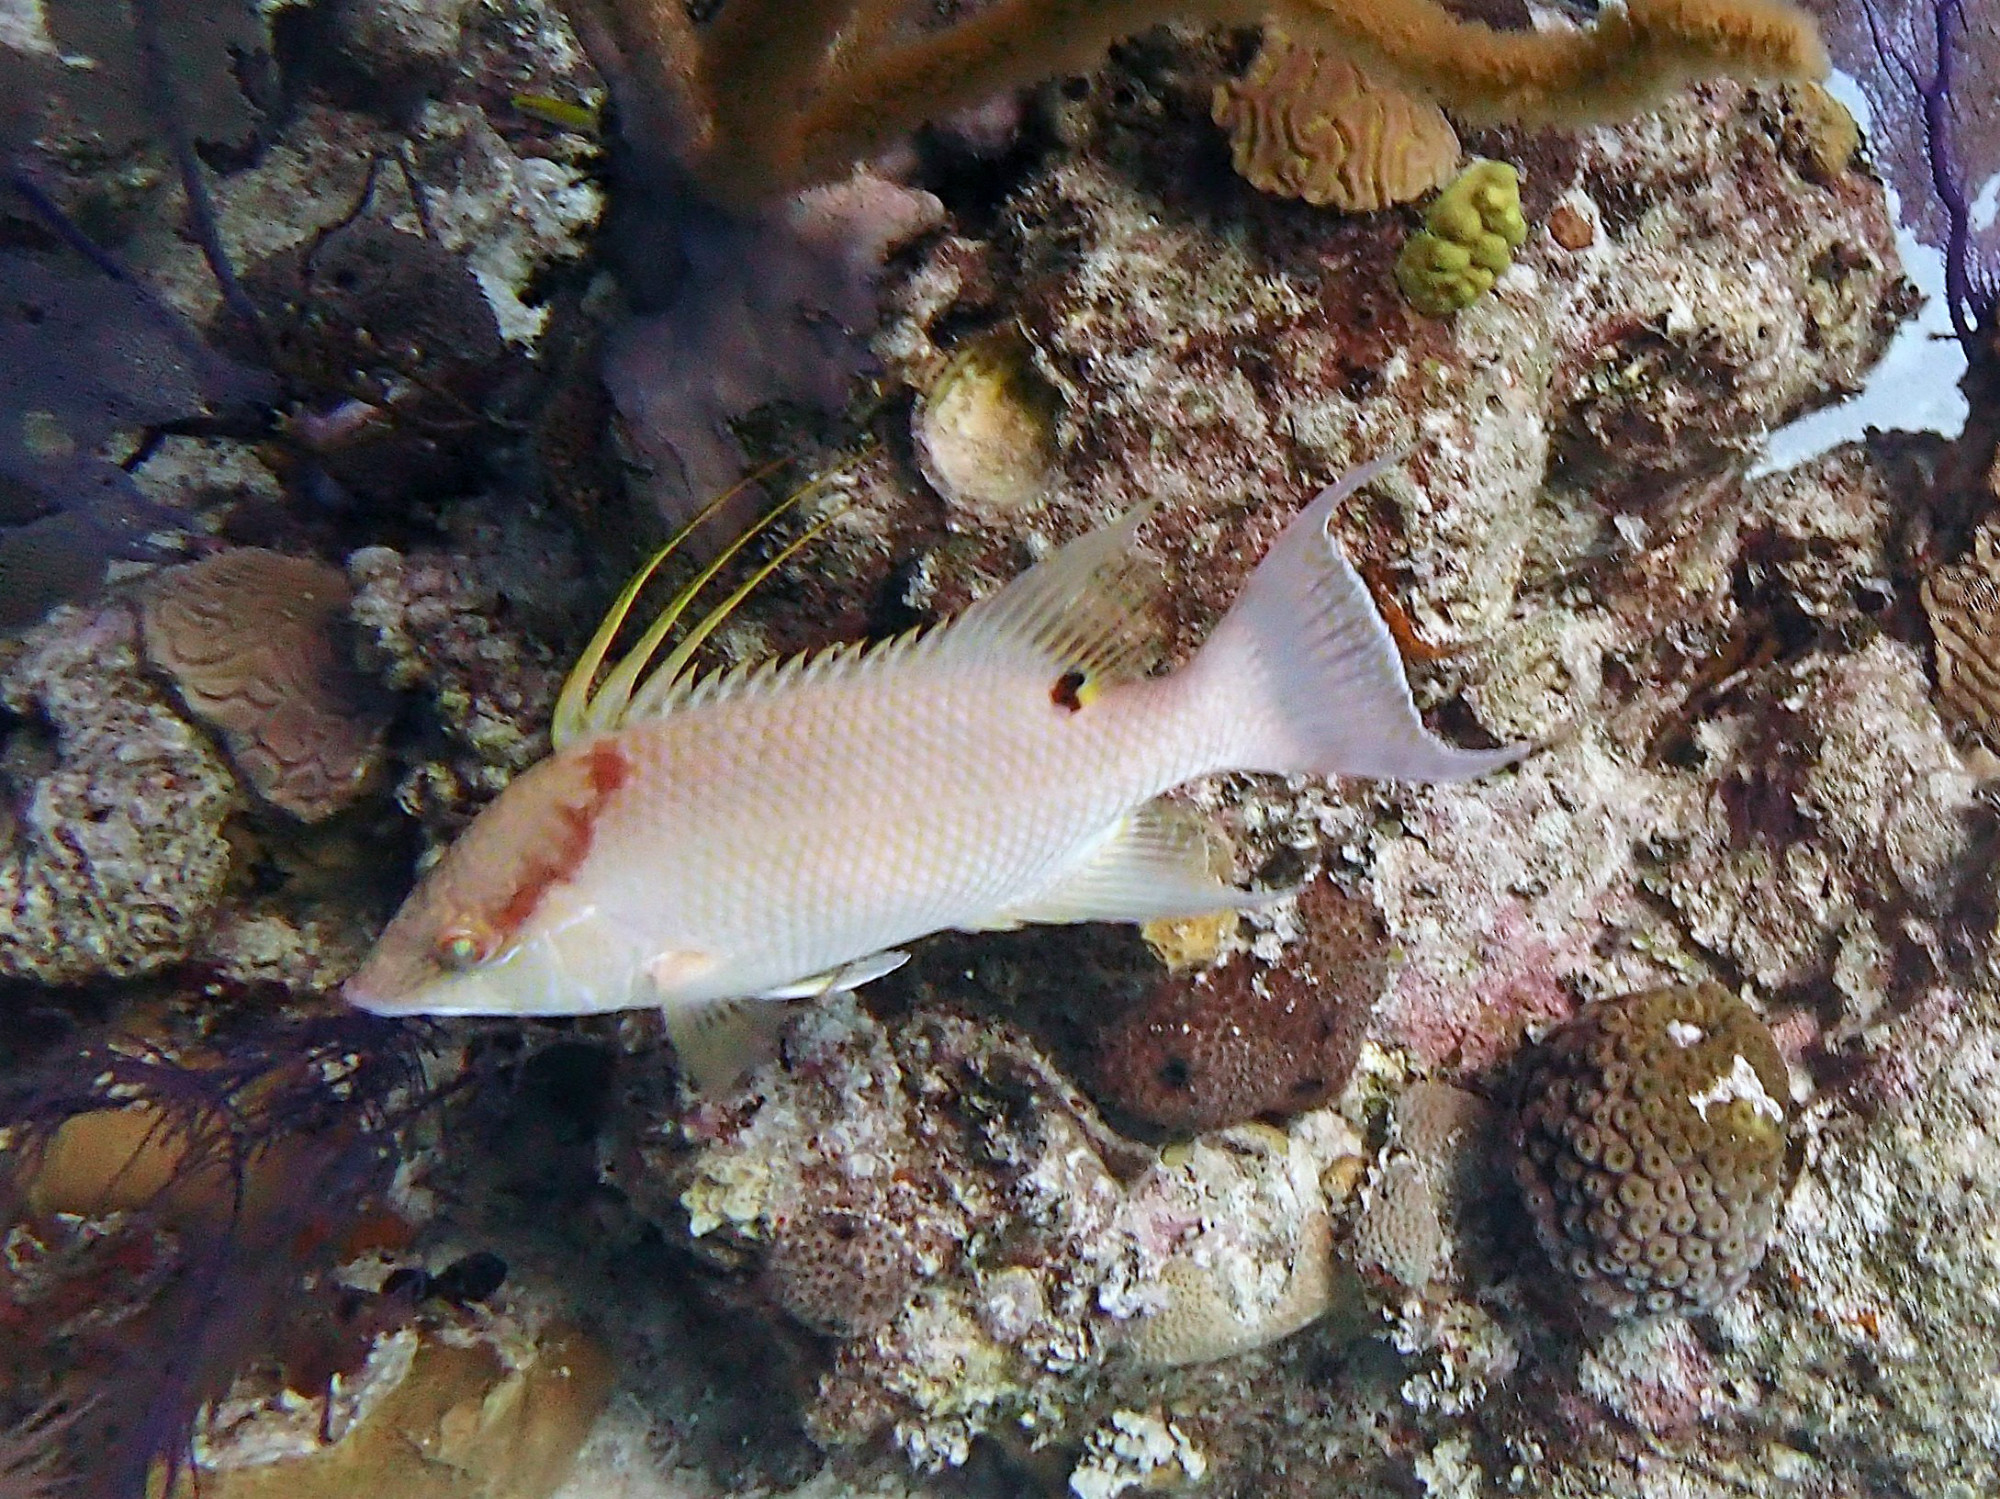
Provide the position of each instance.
(1161, 860)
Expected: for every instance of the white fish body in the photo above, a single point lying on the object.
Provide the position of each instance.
(782, 832)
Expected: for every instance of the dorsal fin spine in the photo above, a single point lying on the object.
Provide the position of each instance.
(616, 699)
(662, 689)
(575, 708)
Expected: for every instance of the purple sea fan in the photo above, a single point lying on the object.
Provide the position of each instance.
(1931, 72)
(168, 1201)
(84, 359)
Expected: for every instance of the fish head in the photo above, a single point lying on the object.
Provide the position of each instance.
(506, 922)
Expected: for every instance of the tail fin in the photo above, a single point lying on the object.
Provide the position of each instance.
(1305, 667)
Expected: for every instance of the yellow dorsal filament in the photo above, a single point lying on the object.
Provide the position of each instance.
(608, 707)
(619, 699)
(660, 687)
(575, 709)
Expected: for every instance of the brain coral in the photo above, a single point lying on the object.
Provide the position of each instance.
(1649, 1147)
(1309, 124)
(1469, 237)
(256, 643)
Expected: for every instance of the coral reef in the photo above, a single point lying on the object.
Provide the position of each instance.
(1417, 1209)
(1651, 1133)
(757, 110)
(1021, 1211)
(118, 858)
(390, 350)
(1469, 237)
(938, 1200)
(437, 621)
(172, 1200)
(1310, 124)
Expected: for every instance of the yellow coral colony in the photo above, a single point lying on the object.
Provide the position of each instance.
(1309, 124)
(1469, 237)
(774, 95)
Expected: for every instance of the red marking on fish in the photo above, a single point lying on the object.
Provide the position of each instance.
(605, 770)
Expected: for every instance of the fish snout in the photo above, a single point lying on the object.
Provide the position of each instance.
(375, 999)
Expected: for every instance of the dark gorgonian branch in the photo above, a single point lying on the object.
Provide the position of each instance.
(1930, 70)
(775, 95)
(166, 1202)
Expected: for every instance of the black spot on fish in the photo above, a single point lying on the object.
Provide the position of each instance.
(1067, 693)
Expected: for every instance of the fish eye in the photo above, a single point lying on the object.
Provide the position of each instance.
(461, 947)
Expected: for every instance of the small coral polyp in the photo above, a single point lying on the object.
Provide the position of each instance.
(1650, 1145)
(1468, 240)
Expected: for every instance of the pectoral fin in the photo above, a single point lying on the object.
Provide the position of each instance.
(838, 980)
(1162, 860)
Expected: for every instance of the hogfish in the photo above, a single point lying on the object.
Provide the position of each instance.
(699, 841)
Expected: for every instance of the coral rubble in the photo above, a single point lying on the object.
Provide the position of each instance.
(118, 858)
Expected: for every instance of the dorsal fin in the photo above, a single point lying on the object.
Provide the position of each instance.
(635, 688)
(1081, 609)
(1078, 614)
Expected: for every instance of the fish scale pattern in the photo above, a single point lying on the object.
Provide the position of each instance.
(904, 810)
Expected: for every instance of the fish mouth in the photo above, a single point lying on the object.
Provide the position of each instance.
(359, 998)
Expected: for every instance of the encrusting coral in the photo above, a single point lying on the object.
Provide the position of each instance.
(758, 107)
(1437, 1161)
(1306, 123)
(1251, 1256)
(118, 858)
(1468, 240)
(1649, 1146)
